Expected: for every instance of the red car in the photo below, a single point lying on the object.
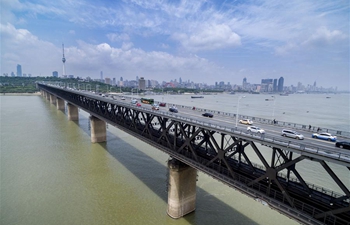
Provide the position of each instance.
(162, 104)
(138, 104)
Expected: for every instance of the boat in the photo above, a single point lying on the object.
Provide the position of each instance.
(284, 94)
(200, 96)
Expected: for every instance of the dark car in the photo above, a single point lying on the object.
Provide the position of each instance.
(207, 115)
(343, 144)
(172, 109)
(162, 104)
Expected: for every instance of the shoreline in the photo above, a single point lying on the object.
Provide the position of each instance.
(20, 94)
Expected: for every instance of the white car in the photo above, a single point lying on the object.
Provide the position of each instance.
(292, 134)
(246, 121)
(325, 136)
(254, 129)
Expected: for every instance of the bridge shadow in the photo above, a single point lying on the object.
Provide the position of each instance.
(209, 209)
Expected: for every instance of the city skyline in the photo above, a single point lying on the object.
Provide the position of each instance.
(266, 84)
(199, 40)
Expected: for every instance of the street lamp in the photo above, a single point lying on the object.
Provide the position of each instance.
(239, 99)
(273, 110)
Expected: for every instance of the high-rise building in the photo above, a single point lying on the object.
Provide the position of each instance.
(142, 83)
(55, 74)
(275, 87)
(121, 78)
(101, 76)
(280, 84)
(19, 70)
(244, 84)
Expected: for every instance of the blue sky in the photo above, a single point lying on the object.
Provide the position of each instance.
(197, 40)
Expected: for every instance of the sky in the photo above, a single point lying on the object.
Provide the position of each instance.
(202, 41)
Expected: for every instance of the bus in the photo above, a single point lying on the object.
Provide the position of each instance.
(147, 100)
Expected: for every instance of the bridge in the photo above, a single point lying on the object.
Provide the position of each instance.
(222, 151)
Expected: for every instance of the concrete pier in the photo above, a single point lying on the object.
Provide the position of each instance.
(98, 130)
(73, 112)
(47, 95)
(181, 189)
(60, 104)
(52, 99)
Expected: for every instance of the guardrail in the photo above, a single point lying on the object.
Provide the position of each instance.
(284, 124)
(264, 138)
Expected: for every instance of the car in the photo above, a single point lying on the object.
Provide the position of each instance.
(254, 129)
(173, 109)
(134, 101)
(207, 115)
(138, 104)
(246, 121)
(343, 144)
(155, 107)
(122, 98)
(324, 136)
(162, 104)
(292, 134)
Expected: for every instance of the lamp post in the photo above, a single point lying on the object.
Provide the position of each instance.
(239, 99)
(273, 110)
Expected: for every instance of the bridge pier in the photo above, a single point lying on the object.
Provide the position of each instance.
(98, 130)
(181, 189)
(73, 112)
(52, 99)
(47, 95)
(60, 104)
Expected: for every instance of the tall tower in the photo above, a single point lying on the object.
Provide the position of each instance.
(19, 70)
(63, 60)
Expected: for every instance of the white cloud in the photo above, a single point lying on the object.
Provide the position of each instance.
(324, 37)
(115, 37)
(19, 46)
(209, 37)
(41, 58)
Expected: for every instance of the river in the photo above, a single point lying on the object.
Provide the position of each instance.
(52, 174)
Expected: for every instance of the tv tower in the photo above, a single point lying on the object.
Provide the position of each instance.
(63, 60)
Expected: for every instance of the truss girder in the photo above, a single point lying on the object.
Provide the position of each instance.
(220, 155)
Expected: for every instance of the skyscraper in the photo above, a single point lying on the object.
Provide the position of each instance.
(280, 84)
(55, 74)
(101, 74)
(275, 87)
(142, 83)
(19, 70)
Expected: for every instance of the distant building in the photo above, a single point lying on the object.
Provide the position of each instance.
(108, 80)
(275, 87)
(12, 74)
(280, 84)
(19, 70)
(101, 74)
(55, 74)
(244, 81)
(142, 83)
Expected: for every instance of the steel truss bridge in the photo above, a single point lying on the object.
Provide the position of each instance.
(222, 153)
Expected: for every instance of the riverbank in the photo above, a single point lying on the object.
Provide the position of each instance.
(20, 94)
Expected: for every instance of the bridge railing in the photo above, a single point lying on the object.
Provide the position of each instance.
(284, 124)
(265, 138)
